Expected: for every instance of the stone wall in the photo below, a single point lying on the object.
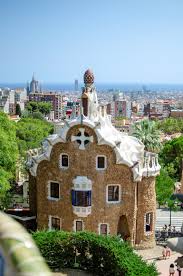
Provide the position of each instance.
(146, 204)
(83, 163)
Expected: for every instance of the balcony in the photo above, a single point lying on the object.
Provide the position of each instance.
(81, 211)
(81, 196)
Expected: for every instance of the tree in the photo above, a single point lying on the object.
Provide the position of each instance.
(164, 187)
(18, 110)
(32, 106)
(8, 155)
(31, 132)
(170, 125)
(43, 107)
(171, 157)
(147, 132)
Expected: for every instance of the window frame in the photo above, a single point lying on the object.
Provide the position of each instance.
(75, 223)
(60, 161)
(50, 222)
(107, 194)
(99, 228)
(49, 190)
(76, 200)
(105, 163)
(151, 222)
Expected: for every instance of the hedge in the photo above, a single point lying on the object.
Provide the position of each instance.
(100, 255)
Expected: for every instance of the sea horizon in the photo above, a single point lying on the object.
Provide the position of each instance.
(59, 86)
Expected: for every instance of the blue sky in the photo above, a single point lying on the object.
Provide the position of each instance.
(120, 40)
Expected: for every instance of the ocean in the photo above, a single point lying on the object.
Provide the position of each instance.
(102, 86)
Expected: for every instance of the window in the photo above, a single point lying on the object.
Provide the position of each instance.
(81, 198)
(78, 225)
(55, 223)
(86, 141)
(103, 229)
(64, 161)
(113, 193)
(53, 190)
(101, 162)
(148, 222)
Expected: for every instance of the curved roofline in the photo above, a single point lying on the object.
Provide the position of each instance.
(101, 140)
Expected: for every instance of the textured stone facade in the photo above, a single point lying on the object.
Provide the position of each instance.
(137, 198)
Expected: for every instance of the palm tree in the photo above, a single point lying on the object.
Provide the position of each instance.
(148, 134)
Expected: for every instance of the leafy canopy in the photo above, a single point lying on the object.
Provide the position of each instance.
(8, 155)
(164, 187)
(147, 132)
(31, 132)
(43, 107)
(171, 125)
(171, 157)
(100, 255)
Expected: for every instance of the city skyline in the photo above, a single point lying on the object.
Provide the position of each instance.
(134, 42)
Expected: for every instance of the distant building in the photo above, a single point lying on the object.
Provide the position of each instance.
(159, 109)
(119, 107)
(123, 108)
(7, 101)
(21, 97)
(176, 113)
(34, 85)
(52, 97)
(76, 85)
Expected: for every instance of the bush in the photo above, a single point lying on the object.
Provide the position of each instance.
(100, 255)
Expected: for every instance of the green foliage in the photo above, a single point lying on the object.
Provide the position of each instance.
(171, 157)
(147, 132)
(43, 107)
(33, 115)
(31, 132)
(8, 155)
(174, 204)
(100, 255)
(26, 134)
(164, 187)
(171, 125)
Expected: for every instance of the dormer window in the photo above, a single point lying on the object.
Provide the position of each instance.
(101, 162)
(64, 161)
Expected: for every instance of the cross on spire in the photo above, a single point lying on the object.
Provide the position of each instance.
(82, 138)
